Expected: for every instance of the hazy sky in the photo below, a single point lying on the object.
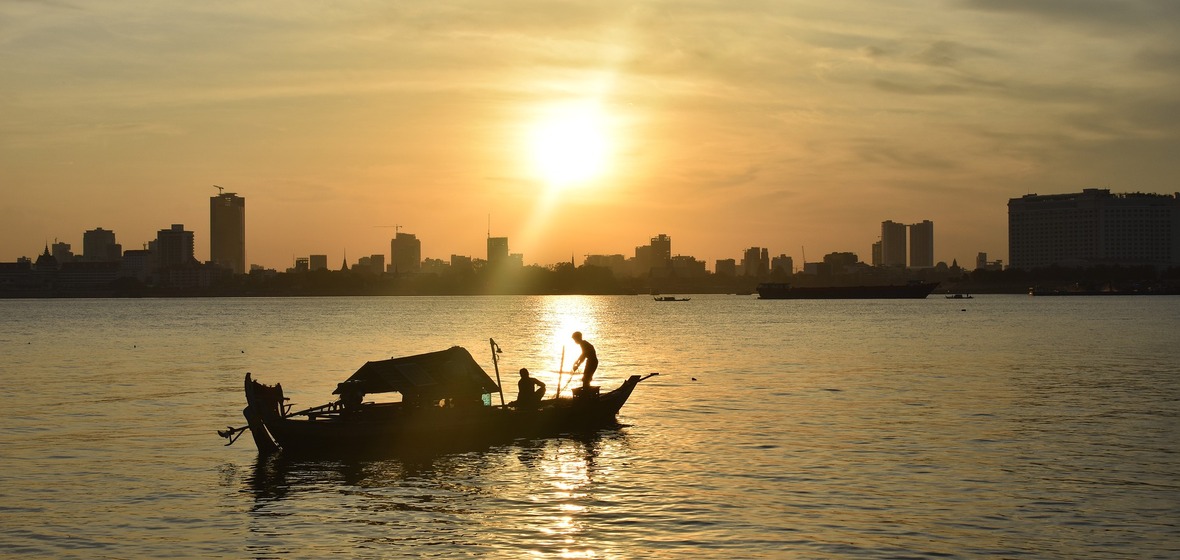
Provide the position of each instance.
(729, 124)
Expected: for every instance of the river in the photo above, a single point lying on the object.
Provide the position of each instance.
(1000, 426)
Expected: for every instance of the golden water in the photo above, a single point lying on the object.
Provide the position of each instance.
(1002, 426)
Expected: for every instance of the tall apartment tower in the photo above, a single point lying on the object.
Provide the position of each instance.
(756, 262)
(893, 246)
(1094, 227)
(174, 247)
(661, 250)
(98, 245)
(497, 250)
(922, 244)
(405, 253)
(227, 231)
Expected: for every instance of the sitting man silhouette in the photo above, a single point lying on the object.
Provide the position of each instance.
(529, 391)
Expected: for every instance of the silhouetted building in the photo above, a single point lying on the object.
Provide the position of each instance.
(302, 264)
(46, 262)
(642, 261)
(616, 263)
(725, 267)
(981, 263)
(893, 246)
(62, 252)
(98, 245)
(1094, 227)
(922, 244)
(782, 264)
(372, 264)
(174, 247)
(405, 253)
(138, 264)
(661, 250)
(317, 262)
(684, 266)
(227, 231)
(877, 260)
(497, 250)
(841, 262)
(756, 262)
(461, 263)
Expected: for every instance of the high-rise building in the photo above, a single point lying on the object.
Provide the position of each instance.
(755, 262)
(497, 250)
(922, 244)
(174, 247)
(317, 262)
(405, 253)
(98, 245)
(661, 250)
(227, 231)
(893, 247)
(1094, 227)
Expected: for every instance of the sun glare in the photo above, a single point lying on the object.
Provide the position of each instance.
(569, 146)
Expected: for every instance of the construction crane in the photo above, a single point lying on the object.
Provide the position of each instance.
(219, 190)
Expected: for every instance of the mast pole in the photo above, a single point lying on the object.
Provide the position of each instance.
(496, 364)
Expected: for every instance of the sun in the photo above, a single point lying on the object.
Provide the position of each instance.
(570, 145)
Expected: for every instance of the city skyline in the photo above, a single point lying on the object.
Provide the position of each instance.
(578, 128)
(497, 248)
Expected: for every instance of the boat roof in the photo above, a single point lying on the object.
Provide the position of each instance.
(446, 373)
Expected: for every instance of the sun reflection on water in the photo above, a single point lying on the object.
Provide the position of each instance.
(566, 502)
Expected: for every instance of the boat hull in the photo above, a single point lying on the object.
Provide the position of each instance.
(917, 290)
(394, 428)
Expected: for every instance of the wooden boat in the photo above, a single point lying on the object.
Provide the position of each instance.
(669, 298)
(446, 404)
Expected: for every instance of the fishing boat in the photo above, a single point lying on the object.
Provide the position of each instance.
(669, 298)
(780, 290)
(959, 296)
(445, 404)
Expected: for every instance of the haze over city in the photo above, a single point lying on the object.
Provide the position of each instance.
(575, 128)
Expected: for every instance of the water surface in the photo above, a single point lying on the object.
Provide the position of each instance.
(1002, 426)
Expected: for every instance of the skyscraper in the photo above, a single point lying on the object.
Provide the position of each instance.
(661, 250)
(227, 231)
(497, 250)
(893, 245)
(922, 244)
(405, 253)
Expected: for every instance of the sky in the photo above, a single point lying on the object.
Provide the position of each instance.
(576, 128)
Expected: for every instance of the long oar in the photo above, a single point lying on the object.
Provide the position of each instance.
(560, 368)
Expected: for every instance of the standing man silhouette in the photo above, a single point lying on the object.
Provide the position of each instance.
(589, 356)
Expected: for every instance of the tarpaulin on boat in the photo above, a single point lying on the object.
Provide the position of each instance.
(446, 373)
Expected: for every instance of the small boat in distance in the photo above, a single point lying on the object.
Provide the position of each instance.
(669, 298)
(781, 290)
(959, 296)
(445, 405)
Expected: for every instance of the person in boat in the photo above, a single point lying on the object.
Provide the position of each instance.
(589, 356)
(529, 390)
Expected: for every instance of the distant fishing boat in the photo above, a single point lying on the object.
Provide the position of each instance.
(780, 290)
(959, 296)
(669, 298)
